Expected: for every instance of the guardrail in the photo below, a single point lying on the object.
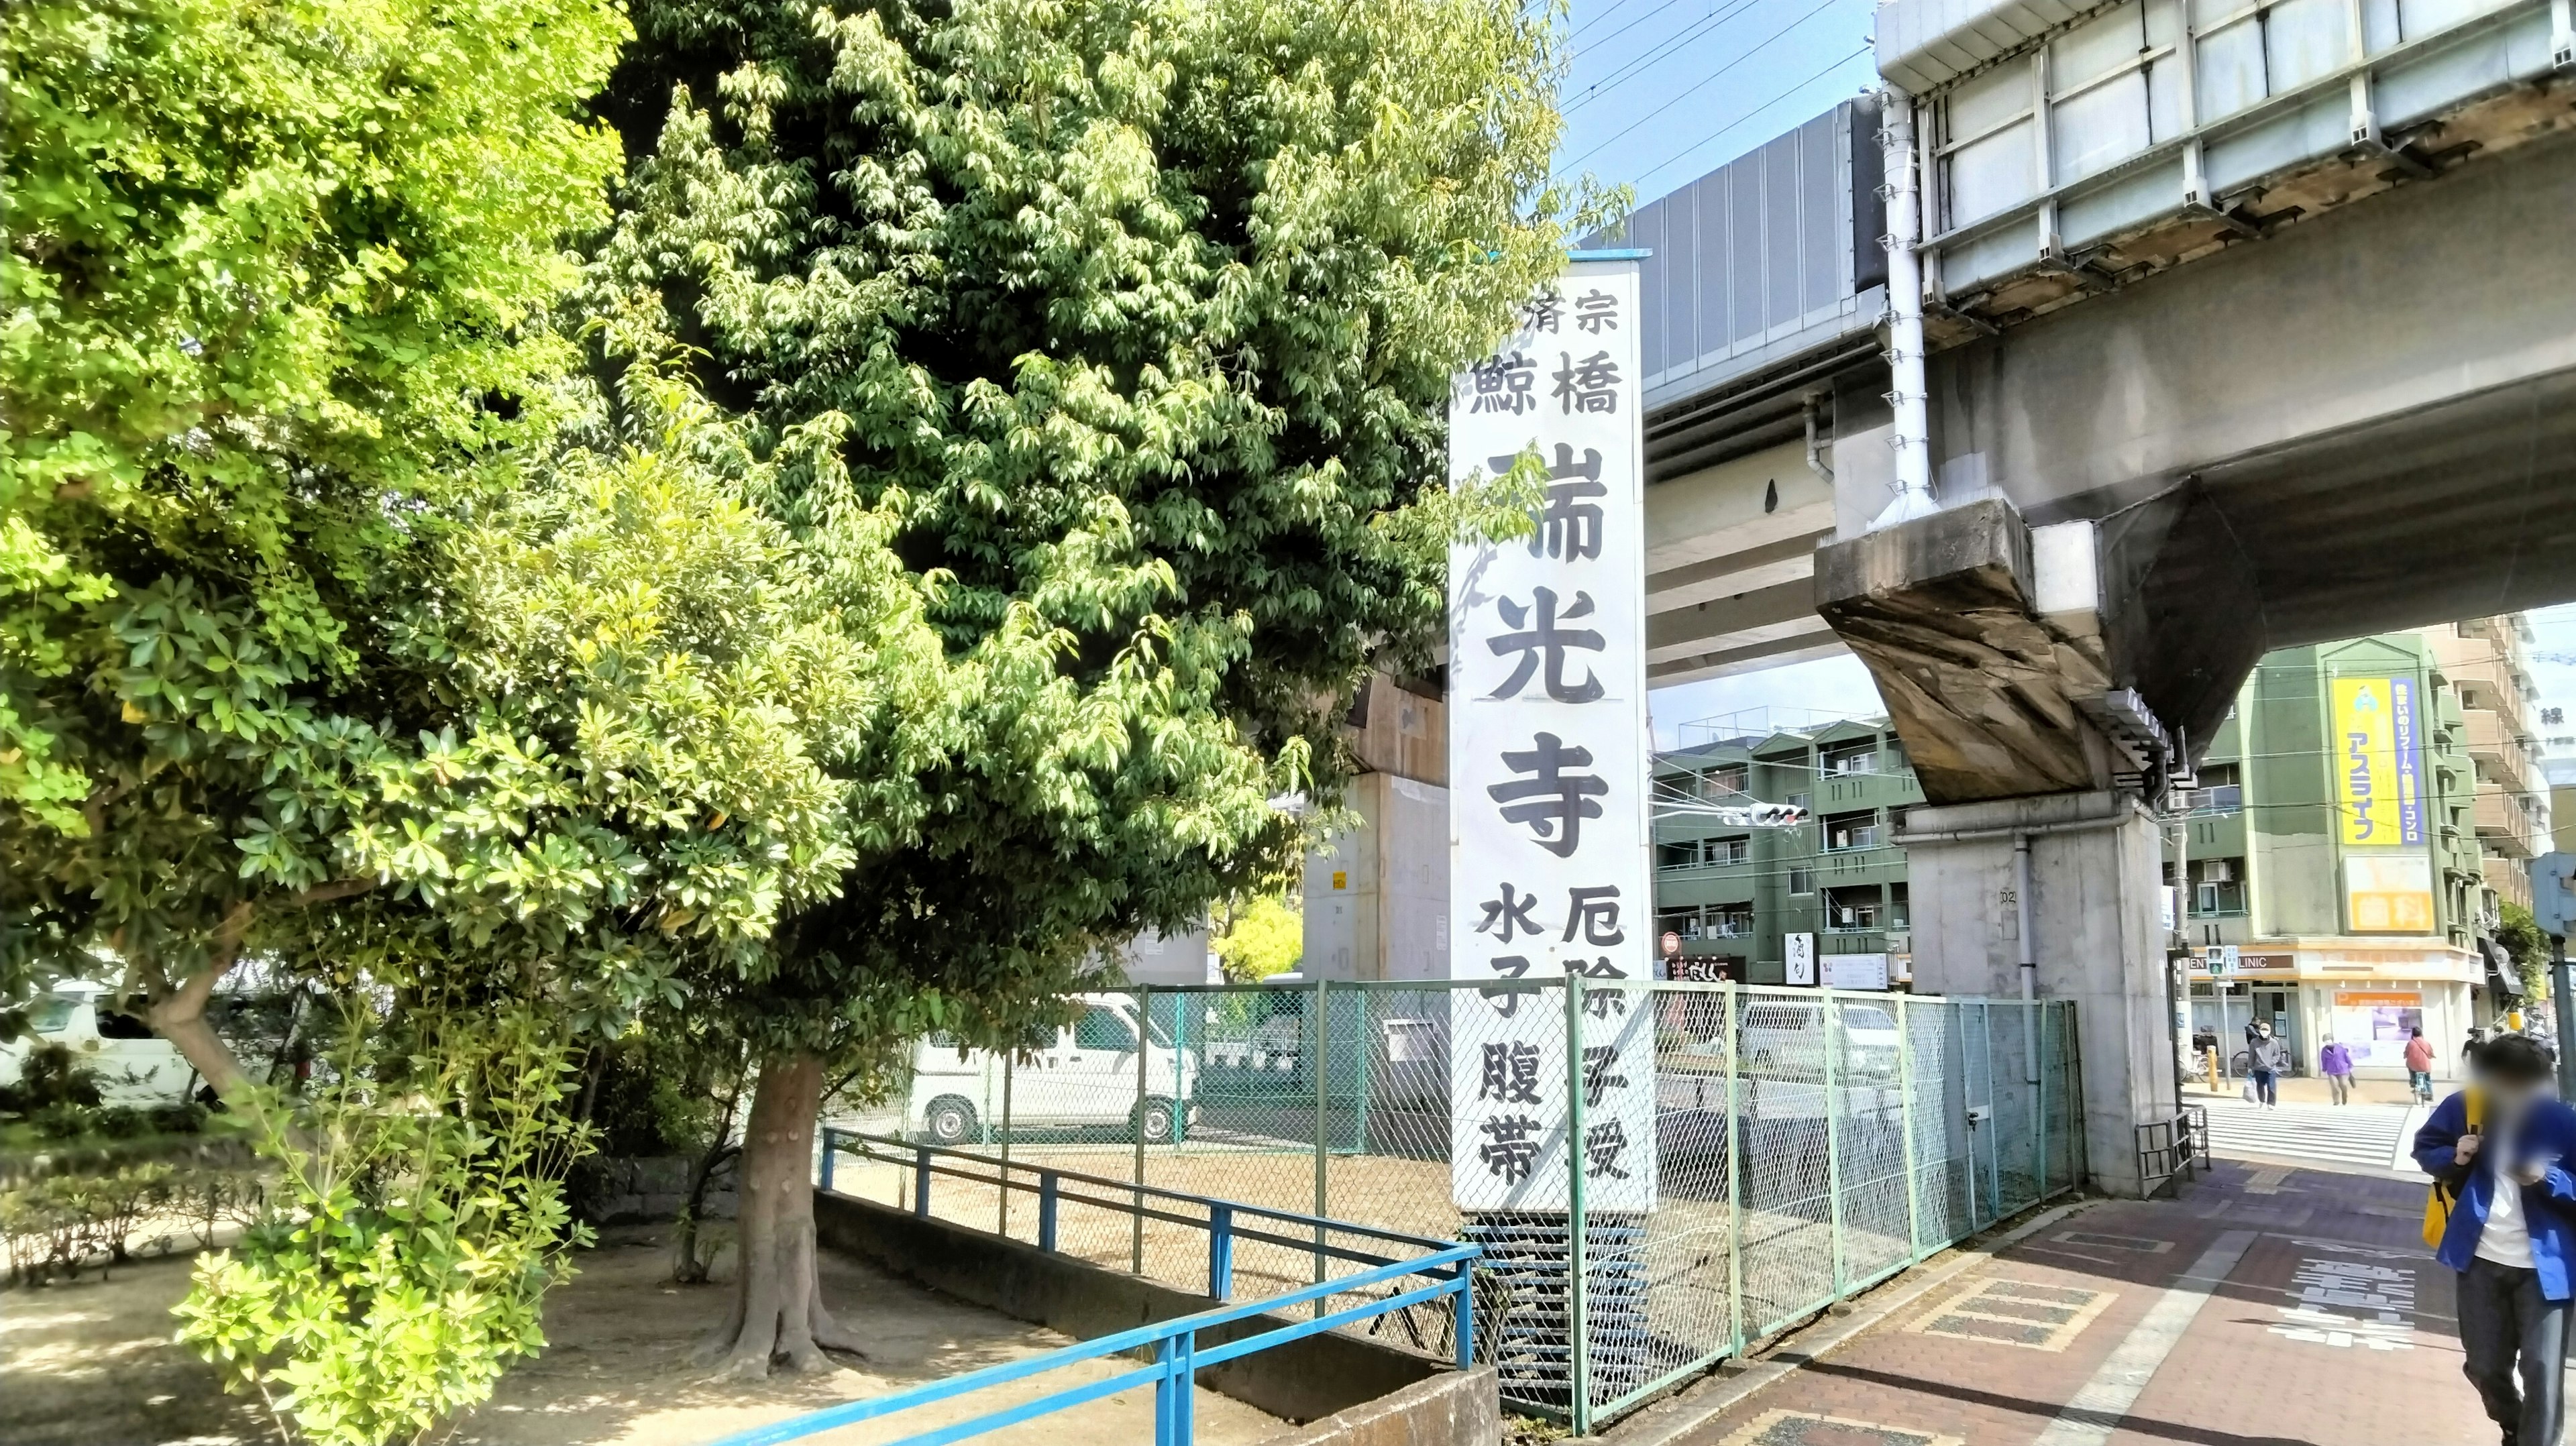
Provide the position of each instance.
(2179, 1146)
(1177, 1355)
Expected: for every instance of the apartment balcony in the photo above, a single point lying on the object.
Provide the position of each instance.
(2495, 742)
(2503, 827)
(2488, 673)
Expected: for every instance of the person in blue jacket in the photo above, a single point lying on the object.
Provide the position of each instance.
(2512, 1236)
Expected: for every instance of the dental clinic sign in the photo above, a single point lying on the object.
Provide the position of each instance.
(1548, 814)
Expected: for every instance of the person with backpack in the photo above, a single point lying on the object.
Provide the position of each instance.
(2502, 1213)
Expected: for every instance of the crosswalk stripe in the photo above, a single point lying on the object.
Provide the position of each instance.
(2350, 1135)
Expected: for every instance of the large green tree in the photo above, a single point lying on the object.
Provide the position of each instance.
(1128, 327)
(336, 620)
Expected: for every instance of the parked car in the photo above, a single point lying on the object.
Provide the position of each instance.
(1788, 1039)
(1080, 1076)
(134, 1065)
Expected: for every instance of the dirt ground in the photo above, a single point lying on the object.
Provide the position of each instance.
(93, 1363)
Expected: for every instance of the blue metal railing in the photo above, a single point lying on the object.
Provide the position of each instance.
(1177, 1354)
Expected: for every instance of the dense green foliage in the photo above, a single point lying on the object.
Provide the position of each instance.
(415, 1224)
(2520, 934)
(1136, 322)
(1264, 937)
(268, 284)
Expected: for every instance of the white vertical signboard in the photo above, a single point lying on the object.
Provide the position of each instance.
(1548, 754)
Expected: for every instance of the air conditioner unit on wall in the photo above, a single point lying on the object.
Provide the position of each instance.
(2218, 871)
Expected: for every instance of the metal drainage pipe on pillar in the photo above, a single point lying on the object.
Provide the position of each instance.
(2027, 955)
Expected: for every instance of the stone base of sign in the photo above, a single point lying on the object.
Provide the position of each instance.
(1521, 1305)
(2096, 916)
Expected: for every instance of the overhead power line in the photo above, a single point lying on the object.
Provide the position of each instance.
(1712, 78)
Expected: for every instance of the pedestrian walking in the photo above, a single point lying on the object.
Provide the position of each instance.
(2270, 1060)
(2503, 1215)
(2419, 1065)
(2335, 1063)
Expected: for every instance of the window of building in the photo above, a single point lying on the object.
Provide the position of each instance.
(1727, 850)
(1857, 830)
(1900, 912)
(1798, 800)
(1802, 881)
(1855, 907)
(1722, 782)
(1857, 755)
(1730, 921)
(1684, 922)
(1677, 855)
(1897, 762)
(2220, 790)
(2218, 886)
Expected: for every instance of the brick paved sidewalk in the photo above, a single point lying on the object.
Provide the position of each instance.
(2264, 1307)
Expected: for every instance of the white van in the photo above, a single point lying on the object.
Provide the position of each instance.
(1082, 1075)
(134, 1065)
(1787, 1037)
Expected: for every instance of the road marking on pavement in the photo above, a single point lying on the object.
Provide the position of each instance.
(2373, 1303)
(2021, 1313)
(2138, 1243)
(2104, 1401)
(1800, 1428)
(2266, 1182)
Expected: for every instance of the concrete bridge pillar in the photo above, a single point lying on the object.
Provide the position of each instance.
(2059, 893)
(2036, 869)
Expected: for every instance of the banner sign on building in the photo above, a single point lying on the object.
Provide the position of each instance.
(2375, 1024)
(2388, 893)
(1548, 752)
(2378, 762)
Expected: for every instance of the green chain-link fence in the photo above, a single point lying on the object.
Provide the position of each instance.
(1808, 1144)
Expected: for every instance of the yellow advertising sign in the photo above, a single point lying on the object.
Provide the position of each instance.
(2388, 893)
(2378, 780)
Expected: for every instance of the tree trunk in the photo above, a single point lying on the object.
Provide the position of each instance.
(777, 1316)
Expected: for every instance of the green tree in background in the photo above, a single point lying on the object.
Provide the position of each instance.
(269, 291)
(2520, 934)
(1264, 937)
(1128, 329)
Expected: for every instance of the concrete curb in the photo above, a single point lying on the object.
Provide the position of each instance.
(1668, 1421)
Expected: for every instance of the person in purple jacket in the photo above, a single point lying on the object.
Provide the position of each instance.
(2335, 1063)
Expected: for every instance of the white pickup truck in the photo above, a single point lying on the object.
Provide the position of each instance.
(1082, 1075)
(134, 1065)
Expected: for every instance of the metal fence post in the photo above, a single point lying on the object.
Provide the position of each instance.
(1833, 1033)
(1735, 1139)
(1220, 1251)
(1994, 1124)
(2040, 1072)
(1363, 1050)
(1464, 1312)
(829, 1151)
(1577, 1266)
(1047, 1187)
(1319, 1066)
(1002, 1210)
(921, 1182)
(1905, 1122)
(1167, 1411)
(1136, 1218)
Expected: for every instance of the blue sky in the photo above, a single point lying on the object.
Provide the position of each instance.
(1663, 91)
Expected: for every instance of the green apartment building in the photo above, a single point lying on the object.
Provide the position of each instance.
(2334, 842)
(1734, 893)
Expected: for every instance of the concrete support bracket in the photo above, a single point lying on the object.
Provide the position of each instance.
(1988, 695)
